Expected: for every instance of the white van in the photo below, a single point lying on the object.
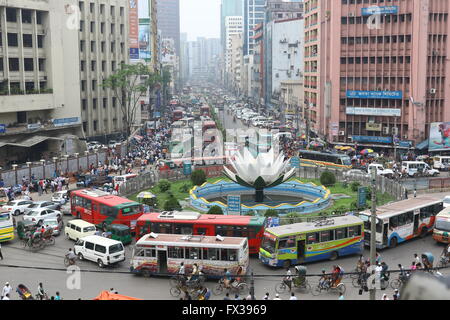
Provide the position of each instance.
(415, 168)
(101, 250)
(77, 229)
(119, 180)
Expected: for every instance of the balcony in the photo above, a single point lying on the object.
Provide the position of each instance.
(30, 102)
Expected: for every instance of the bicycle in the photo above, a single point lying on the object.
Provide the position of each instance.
(397, 283)
(340, 288)
(240, 287)
(296, 283)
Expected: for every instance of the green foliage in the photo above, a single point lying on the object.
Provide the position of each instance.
(250, 213)
(164, 185)
(172, 204)
(215, 210)
(152, 202)
(198, 177)
(328, 179)
(354, 186)
(271, 213)
(185, 188)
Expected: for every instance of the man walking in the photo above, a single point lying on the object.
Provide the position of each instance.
(6, 290)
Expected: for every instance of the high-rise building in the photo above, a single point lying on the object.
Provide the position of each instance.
(228, 8)
(282, 10)
(383, 79)
(103, 45)
(233, 26)
(148, 34)
(169, 21)
(184, 59)
(203, 55)
(39, 80)
(254, 14)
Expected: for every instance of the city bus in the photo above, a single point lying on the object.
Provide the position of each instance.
(177, 115)
(335, 160)
(304, 242)
(441, 231)
(403, 220)
(163, 253)
(208, 136)
(441, 162)
(6, 226)
(102, 209)
(175, 222)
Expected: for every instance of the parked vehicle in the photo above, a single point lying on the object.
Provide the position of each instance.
(381, 171)
(40, 214)
(40, 205)
(418, 168)
(77, 229)
(17, 207)
(101, 250)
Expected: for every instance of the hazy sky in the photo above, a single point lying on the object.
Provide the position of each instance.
(200, 18)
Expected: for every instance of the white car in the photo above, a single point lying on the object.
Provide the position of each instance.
(446, 201)
(39, 215)
(17, 207)
(60, 197)
(56, 224)
(380, 170)
(94, 145)
(42, 204)
(356, 173)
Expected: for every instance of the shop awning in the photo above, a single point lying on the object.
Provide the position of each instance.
(29, 142)
(423, 145)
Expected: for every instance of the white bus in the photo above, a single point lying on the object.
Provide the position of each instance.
(6, 226)
(403, 220)
(441, 162)
(163, 254)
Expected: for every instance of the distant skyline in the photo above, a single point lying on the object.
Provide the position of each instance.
(200, 18)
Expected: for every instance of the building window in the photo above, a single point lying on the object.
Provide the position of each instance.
(94, 87)
(40, 41)
(82, 65)
(27, 40)
(103, 46)
(112, 10)
(26, 16)
(81, 6)
(93, 65)
(83, 85)
(92, 7)
(41, 64)
(12, 40)
(13, 64)
(112, 28)
(102, 27)
(105, 103)
(39, 17)
(11, 15)
(92, 46)
(95, 125)
(121, 11)
(81, 25)
(92, 26)
(82, 45)
(28, 64)
(84, 126)
(103, 65)
(102, 9)
(84, 105)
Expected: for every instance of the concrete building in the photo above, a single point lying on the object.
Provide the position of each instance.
(233, 26)
(103, 45)
(284, 58)
(283, 10)
(258, 75)
(254, 14)
(169, 21)
(203, 54)
(236, 62)
(385, 77)
(228, 8)
(184, 60)
(40, 113)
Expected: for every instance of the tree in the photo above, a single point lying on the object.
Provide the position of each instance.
(166, 80)
(129, 84)
(327, 178)
(215, 210)
(271, 213)
(198, 177)
(171, 204)
(164, 185)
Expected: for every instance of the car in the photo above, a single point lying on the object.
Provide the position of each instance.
(56, 224)
(40, 214)
(60, 197)
(380, 170)
(42, 204)
(94, 145)
(66, 209)
(112, 144)
(17, 206)
(446, 201)
(356, 173)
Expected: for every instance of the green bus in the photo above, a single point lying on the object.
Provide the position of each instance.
(304, 242)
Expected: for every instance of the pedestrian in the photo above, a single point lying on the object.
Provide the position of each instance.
(277, 297)
(40, 291)
(341, 296)
(6, 297)
(406, 194)
(6, 290)
(266, 297)
(227, 296)
(385, 297)
(236, 297)
(293, 297)
(416, 258)
(415, 193)
(57, 296)
(396, 295)
(1, 255)
(378, 258)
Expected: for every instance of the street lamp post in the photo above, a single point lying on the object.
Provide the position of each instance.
(14, 166)
(373, 220)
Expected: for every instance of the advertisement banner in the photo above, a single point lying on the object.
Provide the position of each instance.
(373, 126)
(66, 121)
(144, 40)
(372, 139)
(362, 196)
(234, 205)
(133, 35)
(2, 128)
(439, 136)
(295, 162)
(334, 129)
(379, 10)
(355, 94)
(382, 112)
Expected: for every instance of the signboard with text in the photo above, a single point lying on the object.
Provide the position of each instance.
(379, 10)
(372, 139)
(362, 196)
(382, 112)
(355, 94)
(2, 128)
(295, 162)
(133, 34)
(234, 205)
(373, 126)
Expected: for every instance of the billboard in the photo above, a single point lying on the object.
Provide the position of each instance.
(133, 36)
(372, 139)
(356, 94)
(168, 51)
(379, 10)
(144, 40)
(384, 112)
(439, 136)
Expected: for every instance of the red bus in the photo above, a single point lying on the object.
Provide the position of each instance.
(181, 222)
(208, 138)
(103, 209)
(177, 115)
(204, 111)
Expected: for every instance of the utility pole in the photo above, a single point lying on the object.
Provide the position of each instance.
(307, 123)
(373, 221)
(252, 287)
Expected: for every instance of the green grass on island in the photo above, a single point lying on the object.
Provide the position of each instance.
(338, 188)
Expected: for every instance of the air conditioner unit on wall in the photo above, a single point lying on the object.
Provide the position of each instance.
(342, 133)
(432, 90)
(385, 130)
(394, 130)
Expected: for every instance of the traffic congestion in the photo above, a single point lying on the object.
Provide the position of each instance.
(86, 222)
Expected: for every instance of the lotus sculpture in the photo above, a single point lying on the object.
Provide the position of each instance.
(264, 171)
